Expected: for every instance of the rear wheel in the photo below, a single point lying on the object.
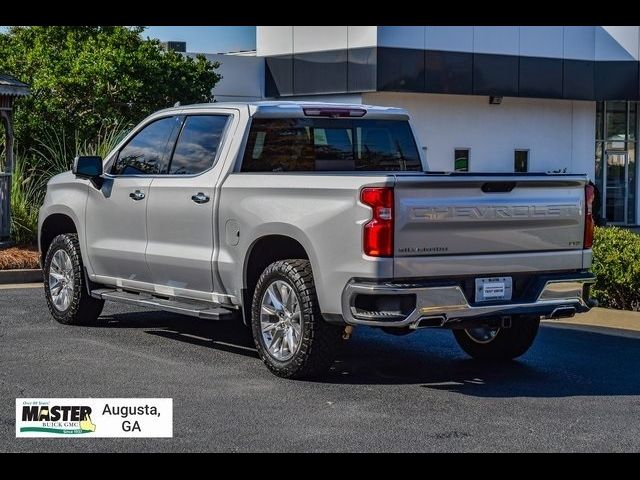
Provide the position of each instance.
(289, 332)
(64, 286)
(496, 343)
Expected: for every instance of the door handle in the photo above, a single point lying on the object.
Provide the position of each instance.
(200, 198)
(137, 195)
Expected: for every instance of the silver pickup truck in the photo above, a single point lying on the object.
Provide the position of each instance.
(306, 220)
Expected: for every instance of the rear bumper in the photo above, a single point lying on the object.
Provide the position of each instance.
(552, 296)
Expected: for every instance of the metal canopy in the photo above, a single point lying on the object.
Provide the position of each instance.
(10, 89)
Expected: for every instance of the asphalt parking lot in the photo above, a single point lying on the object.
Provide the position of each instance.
(573, 391)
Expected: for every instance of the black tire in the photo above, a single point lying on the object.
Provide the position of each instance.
(82, 309)
(320, 340)
(507, 344)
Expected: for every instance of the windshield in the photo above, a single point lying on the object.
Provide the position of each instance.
(320, 144)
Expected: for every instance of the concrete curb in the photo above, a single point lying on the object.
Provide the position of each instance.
(604, 318)
(20, 276)
(603, 330)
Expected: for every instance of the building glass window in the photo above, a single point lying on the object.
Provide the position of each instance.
(633, 121)
(521, 161)
(599, 166)
(616, 115)
(632, 174)
(599, 121)
(616, 160)
(461, 159)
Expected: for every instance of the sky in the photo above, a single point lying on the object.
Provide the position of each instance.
(208, 39)
(204, 39)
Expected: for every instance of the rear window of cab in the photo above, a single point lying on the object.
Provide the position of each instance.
(322, 144)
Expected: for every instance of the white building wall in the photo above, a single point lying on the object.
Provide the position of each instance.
(579, 42)
(319, 38)
(285, 40)
(362, 36)
(617, 43)
(583, 138)
(500, 40)
(558, 133)
(545, 42)
(576, 42)
(242, 77)
(449, 39)
(274, 40)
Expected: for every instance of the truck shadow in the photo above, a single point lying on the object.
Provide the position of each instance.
(227, 336)
(562, 362)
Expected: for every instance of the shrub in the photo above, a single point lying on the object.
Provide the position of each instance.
(616, 265)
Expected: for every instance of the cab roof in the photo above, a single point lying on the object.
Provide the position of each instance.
(288, 109)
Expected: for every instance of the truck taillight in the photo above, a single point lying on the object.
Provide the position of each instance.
(589, 195)
(378, 232)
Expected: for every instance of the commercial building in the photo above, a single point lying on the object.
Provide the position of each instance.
(482, 98)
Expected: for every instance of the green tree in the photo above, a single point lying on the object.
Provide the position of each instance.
(85, 78)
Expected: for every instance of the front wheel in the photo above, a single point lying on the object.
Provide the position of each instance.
(292, 338)
(495, 343)
(64, 288)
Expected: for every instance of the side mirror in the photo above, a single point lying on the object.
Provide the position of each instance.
(90, 167)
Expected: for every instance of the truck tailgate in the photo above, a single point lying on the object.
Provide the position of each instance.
(474, 214)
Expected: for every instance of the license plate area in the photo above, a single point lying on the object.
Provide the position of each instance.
(493, 289)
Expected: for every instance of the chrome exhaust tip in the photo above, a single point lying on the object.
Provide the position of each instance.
(435, 321)
(562, 312)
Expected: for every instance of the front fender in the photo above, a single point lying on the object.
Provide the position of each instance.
(67, 196)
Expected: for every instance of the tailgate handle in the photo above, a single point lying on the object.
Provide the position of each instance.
(498, 187)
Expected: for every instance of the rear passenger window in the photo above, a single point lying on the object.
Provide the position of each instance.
(147, 153)
(198, 144)
(319, 144)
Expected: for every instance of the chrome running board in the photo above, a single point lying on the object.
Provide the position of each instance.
(193, 308)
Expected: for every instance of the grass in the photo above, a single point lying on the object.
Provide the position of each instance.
(13, 258)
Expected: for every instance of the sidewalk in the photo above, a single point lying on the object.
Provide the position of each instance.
(12, 286)
(603, 320)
